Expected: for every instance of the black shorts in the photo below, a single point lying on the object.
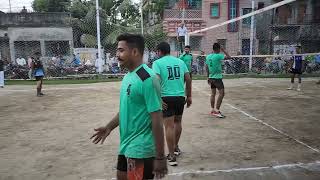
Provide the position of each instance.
(38, 78)
(216, 83)
(175, 105)
(146, 166)
(295, 71)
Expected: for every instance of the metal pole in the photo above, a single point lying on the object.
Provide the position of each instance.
(10, 6)
(141, 7)
(183, 10)
(98, 38)
(251, 37)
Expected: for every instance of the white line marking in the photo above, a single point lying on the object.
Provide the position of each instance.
(275, 129)
(246, 169)
(275, 167)
(264, 123)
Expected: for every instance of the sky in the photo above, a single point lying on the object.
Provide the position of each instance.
(17, 5)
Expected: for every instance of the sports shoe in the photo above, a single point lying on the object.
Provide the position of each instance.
(290, 87)
(299, 87)
(177, 151)
(172, 160)
(217, 114)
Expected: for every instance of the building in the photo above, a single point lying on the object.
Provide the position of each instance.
(289, 25)
(199, 14)
(23, 34)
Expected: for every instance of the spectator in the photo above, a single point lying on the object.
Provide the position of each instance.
(24, 10)
(21, 61)
(30, 75)
(181, 33)
(201, 59)
(88, 63)
(1, 73)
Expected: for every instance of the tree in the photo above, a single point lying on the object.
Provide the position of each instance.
(51, 5)
(80, 8)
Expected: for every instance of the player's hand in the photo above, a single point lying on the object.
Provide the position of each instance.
(164, 106)
(209, 82)
(101, 134)
(160, 168)
(188, 101)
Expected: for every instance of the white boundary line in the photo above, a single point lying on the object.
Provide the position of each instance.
(264, 123)
(275, 129)
(246, 169)
(273, 167)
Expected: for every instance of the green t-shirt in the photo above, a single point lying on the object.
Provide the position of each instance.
(214, 64)
(139, 96)
(171, 71)
(187, 59)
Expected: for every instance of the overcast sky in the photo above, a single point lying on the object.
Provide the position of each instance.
(16, 5)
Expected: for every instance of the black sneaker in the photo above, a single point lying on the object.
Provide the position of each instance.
(177, 151)
(172, 161)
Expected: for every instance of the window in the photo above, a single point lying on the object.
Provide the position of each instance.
(215, 10)
(233, 13)
(246, 21)
(260, 5)
(223, 43)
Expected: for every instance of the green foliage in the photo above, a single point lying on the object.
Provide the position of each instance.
(51, 5)
(80, 8)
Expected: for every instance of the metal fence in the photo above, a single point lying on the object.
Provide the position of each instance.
(69, 47)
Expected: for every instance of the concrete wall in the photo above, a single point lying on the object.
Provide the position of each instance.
(40, 34)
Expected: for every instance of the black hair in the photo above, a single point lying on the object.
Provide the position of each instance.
(216, 46)
(37, 54)
(187, 46)
(133, 41)
(164, 47)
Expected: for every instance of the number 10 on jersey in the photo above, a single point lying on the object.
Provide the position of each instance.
(173, 72)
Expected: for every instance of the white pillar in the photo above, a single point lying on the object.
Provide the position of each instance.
(251, 37)
(12, 52)
(42, 48)
(98, 37)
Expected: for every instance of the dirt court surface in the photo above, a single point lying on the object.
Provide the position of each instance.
(269, 133)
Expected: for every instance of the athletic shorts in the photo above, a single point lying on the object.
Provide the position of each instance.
(216, 83)
(137, 169)
(175, 105)
(38, 78)
(295, 71)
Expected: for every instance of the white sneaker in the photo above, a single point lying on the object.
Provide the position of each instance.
(291, 87)
(299, 87)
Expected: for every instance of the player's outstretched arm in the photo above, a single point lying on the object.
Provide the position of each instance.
(160, 163)
(103, 132)
(226, 53)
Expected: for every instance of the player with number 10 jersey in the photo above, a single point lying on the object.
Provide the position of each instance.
(173, 74)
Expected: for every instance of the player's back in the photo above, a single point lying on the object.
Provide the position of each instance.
(171, 71)
(214, 64)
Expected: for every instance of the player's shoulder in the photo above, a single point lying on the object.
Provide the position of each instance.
(144, 73)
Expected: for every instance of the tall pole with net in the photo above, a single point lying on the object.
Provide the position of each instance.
(98, 36)
(251, 37)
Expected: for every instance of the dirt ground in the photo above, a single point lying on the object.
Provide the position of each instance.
(269, 132)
